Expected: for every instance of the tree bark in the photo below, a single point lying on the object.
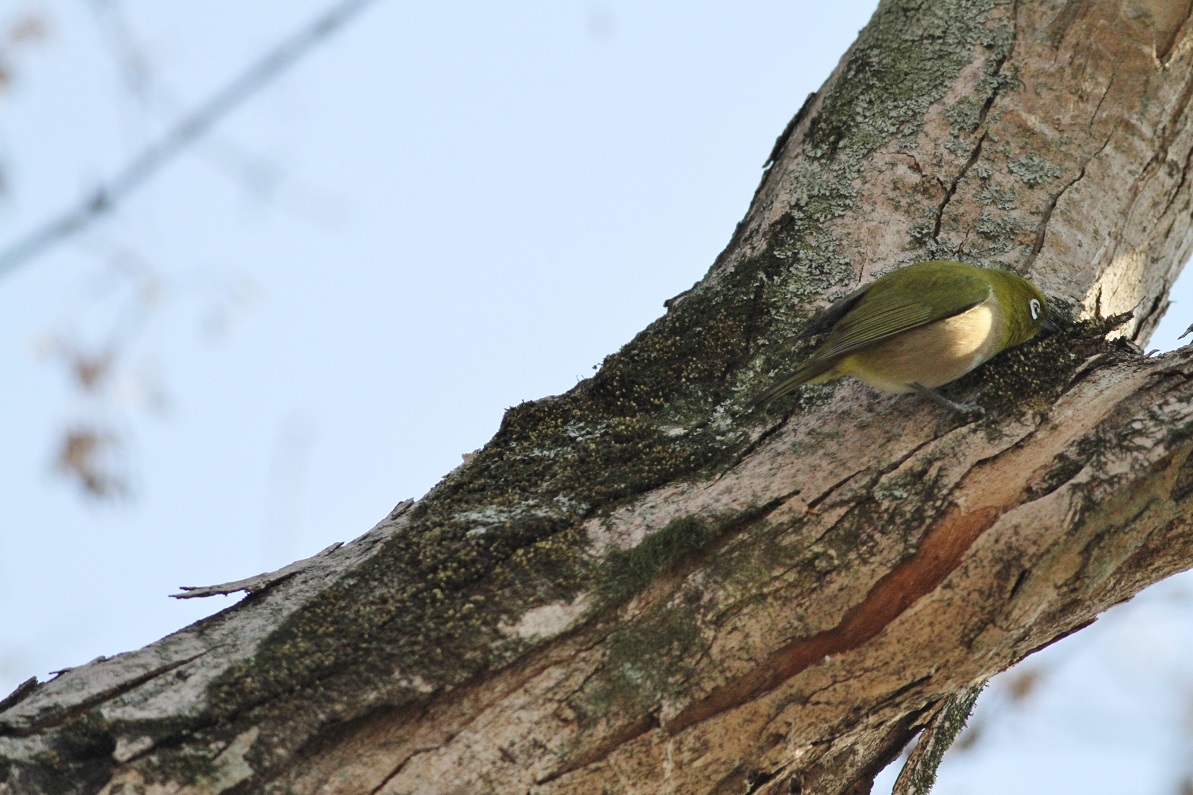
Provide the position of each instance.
(641, 585)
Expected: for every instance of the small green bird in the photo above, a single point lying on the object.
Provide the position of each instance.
(919, 327)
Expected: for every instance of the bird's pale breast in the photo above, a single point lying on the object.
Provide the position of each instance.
(930, 355)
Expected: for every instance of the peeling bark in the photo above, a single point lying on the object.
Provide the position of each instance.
(641, 586)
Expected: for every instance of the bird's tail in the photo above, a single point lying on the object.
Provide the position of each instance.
(815, 370)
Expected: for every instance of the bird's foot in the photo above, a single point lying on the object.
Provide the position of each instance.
(970, 409)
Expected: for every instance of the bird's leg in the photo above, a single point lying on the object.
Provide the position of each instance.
(939, 399)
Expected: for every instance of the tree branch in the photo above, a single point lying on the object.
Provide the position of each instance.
(642, 585)
(185, 132)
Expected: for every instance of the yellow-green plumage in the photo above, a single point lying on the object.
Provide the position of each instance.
(919, 327)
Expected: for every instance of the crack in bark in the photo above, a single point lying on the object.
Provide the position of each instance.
(1145, 317)
(1179, 185)
(761, 515)
(1165, 48)
(1095, 362)
(627, 733)
(472, 717)
(36, 725)
(1065, 21)
(915, 163)
(1042, 228)
(824, 495)
(902, 691)
(1020, 578)
(751, 447)
(982, 114)
(998, 65)
(757, 779)
(397, 771)
(1102, 99)
(952, 189)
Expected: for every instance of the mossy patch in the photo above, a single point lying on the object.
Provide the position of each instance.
(646, 661)
(624, 572)
(75, 758)
(892, 79)
(1034, 374)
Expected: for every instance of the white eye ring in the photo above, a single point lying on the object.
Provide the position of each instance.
(1034, 305)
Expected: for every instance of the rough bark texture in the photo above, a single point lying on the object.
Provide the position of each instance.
(642, 587)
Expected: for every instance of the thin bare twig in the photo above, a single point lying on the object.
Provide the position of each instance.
(138, 170)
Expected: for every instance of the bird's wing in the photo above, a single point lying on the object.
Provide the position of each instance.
(828, 317)
(877, 315)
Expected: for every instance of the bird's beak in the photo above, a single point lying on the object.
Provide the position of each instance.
(1049, 325)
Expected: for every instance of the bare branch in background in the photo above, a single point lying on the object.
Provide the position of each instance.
(92, 448)
(258, 174)
(127, 52)
(190, 128)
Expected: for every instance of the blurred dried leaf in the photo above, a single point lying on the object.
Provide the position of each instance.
(90, 370)
(1021, 684)
(29, 29)
(87, 455)
(32, 28)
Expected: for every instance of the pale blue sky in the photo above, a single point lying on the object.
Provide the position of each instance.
(477, 202)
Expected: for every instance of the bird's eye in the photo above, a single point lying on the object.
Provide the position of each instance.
(1034, 305)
